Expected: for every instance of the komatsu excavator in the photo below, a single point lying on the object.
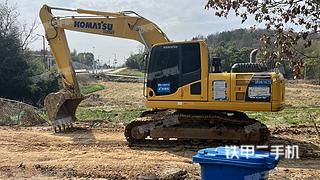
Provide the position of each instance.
(191, 99)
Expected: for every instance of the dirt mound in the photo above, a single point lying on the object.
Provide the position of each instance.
(86, 79)
(296, 129)
(19, 113)
(304, 136)
(121, 78)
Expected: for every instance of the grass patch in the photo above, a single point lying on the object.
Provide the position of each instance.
(131, 72)
(94, 114)
(125, 116)
(43, 114)
(88, 114)
(91, 88)
(288, 116)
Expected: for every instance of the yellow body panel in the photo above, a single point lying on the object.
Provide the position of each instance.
(235, 91)
(231, 104)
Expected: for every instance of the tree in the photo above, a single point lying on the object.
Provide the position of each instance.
(20, 72)
(136, 60)
(42, 85)
(13, 69)
(311, 68)
(229, 54)
(295, 22)
(86, 58)
(9, 24)
(74, 56)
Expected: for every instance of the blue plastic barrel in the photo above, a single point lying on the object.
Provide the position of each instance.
(223, 163)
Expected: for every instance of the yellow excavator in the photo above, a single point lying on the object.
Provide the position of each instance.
(191, 99)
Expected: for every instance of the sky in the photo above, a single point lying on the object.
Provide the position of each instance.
(179, 19)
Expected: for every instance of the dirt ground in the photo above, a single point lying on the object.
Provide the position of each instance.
(103, 153)
(38, 153)
(117, 96)
(302, 95)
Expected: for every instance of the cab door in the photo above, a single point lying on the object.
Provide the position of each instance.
(194, 71)
(163, 73)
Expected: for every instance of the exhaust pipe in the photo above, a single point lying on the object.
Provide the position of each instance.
(253, 55)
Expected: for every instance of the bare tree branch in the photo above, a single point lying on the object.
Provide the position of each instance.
(10, 26)
(27, 34)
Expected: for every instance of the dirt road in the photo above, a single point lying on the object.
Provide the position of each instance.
(103, 153)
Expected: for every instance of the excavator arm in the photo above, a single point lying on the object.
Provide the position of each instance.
(61, 106)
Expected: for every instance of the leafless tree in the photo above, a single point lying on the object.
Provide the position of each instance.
(10, 25)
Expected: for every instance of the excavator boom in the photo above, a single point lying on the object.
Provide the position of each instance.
(61, 106)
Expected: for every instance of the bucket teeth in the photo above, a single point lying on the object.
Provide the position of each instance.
(68, 127)
(63, 127)
(55, 129)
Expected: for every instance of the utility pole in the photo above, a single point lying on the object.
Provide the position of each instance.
(98, 63)
(48, 60)
(94, 61)
(115, 60)
(44, 48)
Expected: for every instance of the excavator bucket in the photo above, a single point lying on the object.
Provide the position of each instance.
(61, 108)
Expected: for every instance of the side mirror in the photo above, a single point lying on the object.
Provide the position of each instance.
(145, 57)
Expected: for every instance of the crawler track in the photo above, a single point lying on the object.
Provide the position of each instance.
(194, 129)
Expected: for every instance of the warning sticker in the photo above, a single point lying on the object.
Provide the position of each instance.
(219, 90)
(259, 92)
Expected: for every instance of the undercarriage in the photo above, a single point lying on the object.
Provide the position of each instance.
(194, 128)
